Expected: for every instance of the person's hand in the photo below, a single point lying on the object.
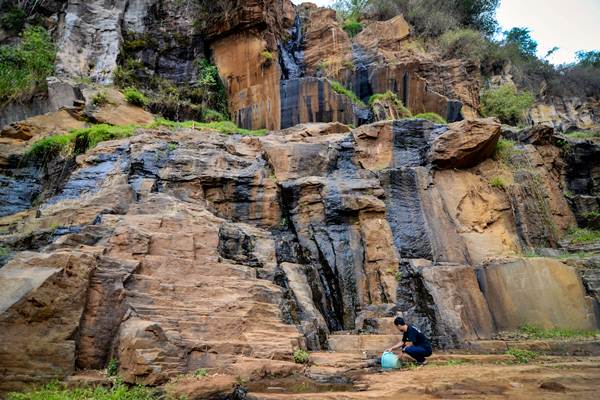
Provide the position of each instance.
(387, 351)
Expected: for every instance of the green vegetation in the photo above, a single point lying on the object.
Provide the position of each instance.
(584, 135)
(12, 18)
(100, 98)
(535, 332)
(267, 56)
(352, 26)
(591, 219)
(201, 372)
(498, 183)
(348, 64)
(522, 356)
(77, 141)
(339, 88)
(506, 150)
(431, 116)
(467, 44)
(522, 40)
(135, 97)
(589, 58)
(112, 369)
(55, 391)
(392, 98)
(4, 251)
(25, 67)
(398, 276)
(225, 127)
(506, 103)
(322, 65)
(301, 356)
(583, 236)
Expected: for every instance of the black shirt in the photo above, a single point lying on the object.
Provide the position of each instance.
(415, 336)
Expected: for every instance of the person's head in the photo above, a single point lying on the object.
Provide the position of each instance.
(400, 324)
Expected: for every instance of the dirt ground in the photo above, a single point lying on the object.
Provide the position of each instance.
(547, 378)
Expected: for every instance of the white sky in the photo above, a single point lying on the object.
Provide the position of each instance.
(572, 25)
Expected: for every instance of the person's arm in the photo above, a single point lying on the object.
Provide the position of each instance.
(394, 347)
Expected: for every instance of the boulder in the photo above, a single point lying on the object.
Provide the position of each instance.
(465, 144)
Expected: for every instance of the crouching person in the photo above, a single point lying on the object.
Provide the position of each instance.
(413, 342)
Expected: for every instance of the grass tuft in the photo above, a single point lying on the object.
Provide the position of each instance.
(583, 236)
(301, 356)
(497, 182)
(535, 332)
(584, 135)
(522, 356)
(339, 88)
(392, 98)
(431, 116)
(225, 127)
(135, 97)
(56, 391)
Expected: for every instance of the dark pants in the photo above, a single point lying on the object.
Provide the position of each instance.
(418, 352)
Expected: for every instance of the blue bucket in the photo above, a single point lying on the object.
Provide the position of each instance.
(389, 360)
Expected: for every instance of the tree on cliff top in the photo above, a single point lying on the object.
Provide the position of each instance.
(434, 17)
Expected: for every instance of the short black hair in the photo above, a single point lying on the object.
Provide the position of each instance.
(399, 321)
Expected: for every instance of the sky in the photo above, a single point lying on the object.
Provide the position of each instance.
(571, 26)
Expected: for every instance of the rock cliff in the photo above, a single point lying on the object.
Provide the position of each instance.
(182, 247)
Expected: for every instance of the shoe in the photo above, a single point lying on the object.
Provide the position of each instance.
(422, 363)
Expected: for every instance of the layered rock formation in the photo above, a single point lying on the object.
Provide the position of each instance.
(183, 250)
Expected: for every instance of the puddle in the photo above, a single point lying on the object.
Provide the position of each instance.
(298, 384)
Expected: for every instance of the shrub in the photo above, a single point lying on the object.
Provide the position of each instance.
(210, 115)
(55, 391)
(506, 104)
(201, 372)
(464, 43)
(301, 356)
(583, 236)
(13, 18)
(584, 134)
(112, 369)
(135, 97)
(390, 97)
(25, 67)
(339, 88)
(45, 149)
(100, 99)
(352, 26)
(505, 150)
(431, 116)
(522, 356)
(497, 182)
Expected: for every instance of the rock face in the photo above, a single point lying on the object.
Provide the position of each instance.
(179, 250)
(565, 114)
(536, 291)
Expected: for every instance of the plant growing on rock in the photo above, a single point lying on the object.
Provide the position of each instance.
(497, 182)
(506, 103)
(267, 56)
(112, 368)
(431, 116)
(352, 26)
(135, 97)
(393, 99)
(25, 67)
(100, 99)
(340, 89)
(201, 373)
(301, 356)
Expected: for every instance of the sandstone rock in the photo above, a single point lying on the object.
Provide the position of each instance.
(386, 35)
(42, 301)
(252, 81)
(566, 113)
(551, 291)
(465, 144)
(209, 387)
(538, 134)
